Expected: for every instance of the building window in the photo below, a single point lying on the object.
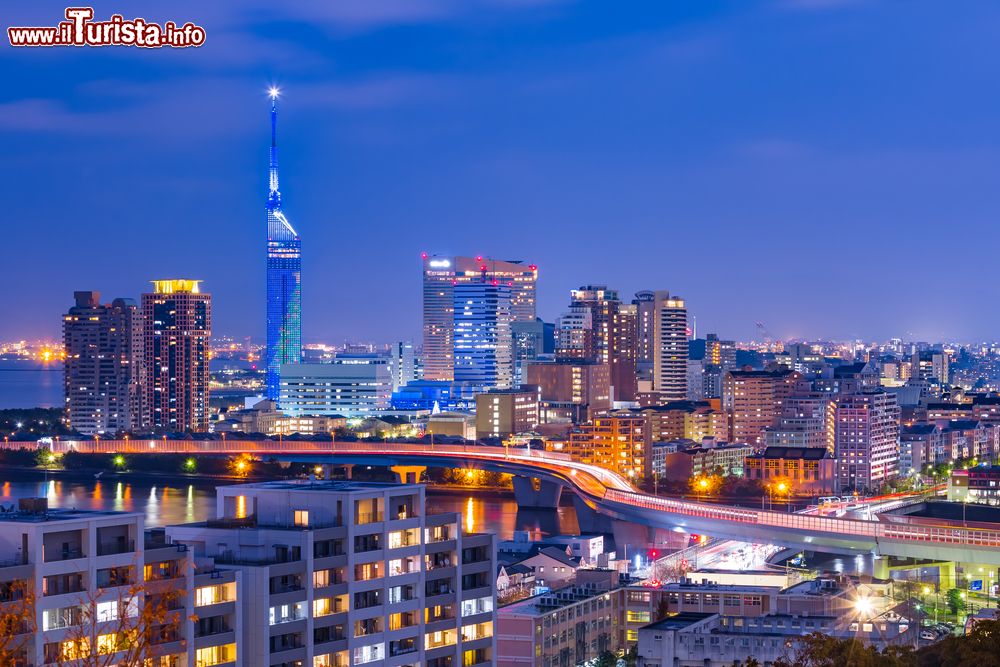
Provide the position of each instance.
(301, 518)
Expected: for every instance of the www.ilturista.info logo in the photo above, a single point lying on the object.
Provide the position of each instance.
(81, 30)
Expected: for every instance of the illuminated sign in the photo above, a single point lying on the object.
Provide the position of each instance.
(439, 264)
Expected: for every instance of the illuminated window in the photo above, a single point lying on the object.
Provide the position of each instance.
(321, 607)
(215, 655)
(214, 594)
(241, 507)
(301, 518)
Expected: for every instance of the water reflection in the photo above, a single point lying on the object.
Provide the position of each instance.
(163, 504)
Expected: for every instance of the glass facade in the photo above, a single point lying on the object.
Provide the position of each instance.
(284, 278)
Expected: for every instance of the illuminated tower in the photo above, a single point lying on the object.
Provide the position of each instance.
(284, 276)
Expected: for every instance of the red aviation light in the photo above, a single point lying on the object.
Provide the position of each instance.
(533, 267)
(423, 255)
(479, 258)
(495, 282)
(482, 268)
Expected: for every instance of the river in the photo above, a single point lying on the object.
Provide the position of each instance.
(176, 501)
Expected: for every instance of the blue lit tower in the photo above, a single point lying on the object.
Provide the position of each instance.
(284, 276)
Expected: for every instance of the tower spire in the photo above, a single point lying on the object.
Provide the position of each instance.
(274, 196)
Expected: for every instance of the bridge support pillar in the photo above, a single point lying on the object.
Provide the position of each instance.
(537, 493)
(408, 474)
(880, 567)
(589, 519)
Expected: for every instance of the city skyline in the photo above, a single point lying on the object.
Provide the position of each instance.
(399, 150)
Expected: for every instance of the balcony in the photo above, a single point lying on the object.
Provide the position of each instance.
(116, 547)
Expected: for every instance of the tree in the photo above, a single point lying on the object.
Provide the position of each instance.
(17, 620)
(123, 631)
(955, 600)
(820, 650)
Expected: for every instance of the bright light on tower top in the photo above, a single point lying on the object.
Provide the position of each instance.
(273, 92)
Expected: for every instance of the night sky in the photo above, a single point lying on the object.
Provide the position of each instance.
(829, 167)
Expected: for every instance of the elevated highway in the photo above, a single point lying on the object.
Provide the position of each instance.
(544, 474)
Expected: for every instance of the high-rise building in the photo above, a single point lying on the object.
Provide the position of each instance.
(352, 385)
(483, 345)
(866, 440)
(103, 346)
(176, 323)
(624, 344)
(284, 277)
(348, 573)
(575, 334)
(645, 303)
(670, 349)
(531, 341)
(753, 400)
(440, 276)
(806, 420)
(571, 390)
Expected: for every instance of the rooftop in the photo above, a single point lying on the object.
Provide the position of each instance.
(677, 621)
(313, 485)
(13, 515)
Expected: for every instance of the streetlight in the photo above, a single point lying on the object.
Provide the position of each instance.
(702, 487)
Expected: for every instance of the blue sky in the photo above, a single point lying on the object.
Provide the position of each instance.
(829, 167)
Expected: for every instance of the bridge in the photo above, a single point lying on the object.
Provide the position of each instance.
(540, 477)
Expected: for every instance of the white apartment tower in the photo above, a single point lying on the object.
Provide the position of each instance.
(339, 573)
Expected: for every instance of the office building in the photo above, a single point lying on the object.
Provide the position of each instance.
(753, 400)
(670, 349)
(102, 372)
(340, 573)
(678, 462)
(355, 386)
(866, 440)
(532, 341)
(803, 471)
(176, 322)
(264, 417)
(284, 276)
(440, 276)
(91, 571)
(483, 344)
(402, 364)
(501, 413)
(571, 390)
(684, 420)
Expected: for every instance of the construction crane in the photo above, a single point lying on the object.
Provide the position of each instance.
(765, 333)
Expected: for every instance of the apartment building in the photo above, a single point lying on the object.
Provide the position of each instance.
(79, 577)
(339, 573)
(615, 442)
(565, 627)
